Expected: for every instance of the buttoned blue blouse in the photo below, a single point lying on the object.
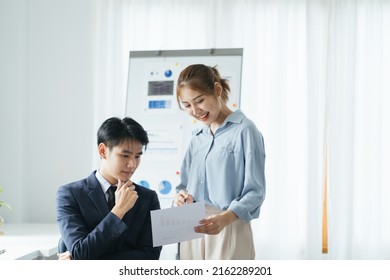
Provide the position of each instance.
(226, 170)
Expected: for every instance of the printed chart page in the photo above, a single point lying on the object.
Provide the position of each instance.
(176, 224)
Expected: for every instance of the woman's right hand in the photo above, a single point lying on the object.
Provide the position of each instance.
(183, 197)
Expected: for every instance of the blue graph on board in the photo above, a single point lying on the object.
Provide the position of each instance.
(165, 187)
(144, 183)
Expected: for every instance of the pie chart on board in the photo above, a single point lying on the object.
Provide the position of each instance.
(144, 183)
(164, 187)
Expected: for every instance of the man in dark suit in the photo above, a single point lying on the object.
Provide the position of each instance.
(89, 228)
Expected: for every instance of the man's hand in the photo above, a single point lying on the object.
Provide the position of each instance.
(125, 198)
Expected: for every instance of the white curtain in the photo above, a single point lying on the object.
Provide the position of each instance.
(359, 130)
(314, 76)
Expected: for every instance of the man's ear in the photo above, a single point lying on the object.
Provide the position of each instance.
(102, 150)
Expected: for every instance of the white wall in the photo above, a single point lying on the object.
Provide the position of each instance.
(46, 102)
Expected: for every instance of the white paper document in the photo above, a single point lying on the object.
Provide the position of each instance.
(176, 224)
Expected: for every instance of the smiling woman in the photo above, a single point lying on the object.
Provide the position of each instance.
(213, 169)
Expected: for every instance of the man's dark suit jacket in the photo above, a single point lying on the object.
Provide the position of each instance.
(90, 231)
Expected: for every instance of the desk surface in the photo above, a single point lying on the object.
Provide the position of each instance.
(28, 241)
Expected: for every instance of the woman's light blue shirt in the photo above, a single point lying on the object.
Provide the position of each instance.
(226, 170)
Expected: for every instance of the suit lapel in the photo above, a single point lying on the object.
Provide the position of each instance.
(97, 196)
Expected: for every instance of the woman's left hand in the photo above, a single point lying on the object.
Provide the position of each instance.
(215, 223)
(66, 256)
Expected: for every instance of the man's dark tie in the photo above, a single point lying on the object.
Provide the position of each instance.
(111, 196)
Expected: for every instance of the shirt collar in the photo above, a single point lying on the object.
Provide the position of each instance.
(235, 117)
(103, 182)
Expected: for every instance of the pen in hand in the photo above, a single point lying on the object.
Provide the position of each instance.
(188, 198)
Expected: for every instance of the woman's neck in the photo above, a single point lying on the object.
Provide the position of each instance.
(223, 114)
